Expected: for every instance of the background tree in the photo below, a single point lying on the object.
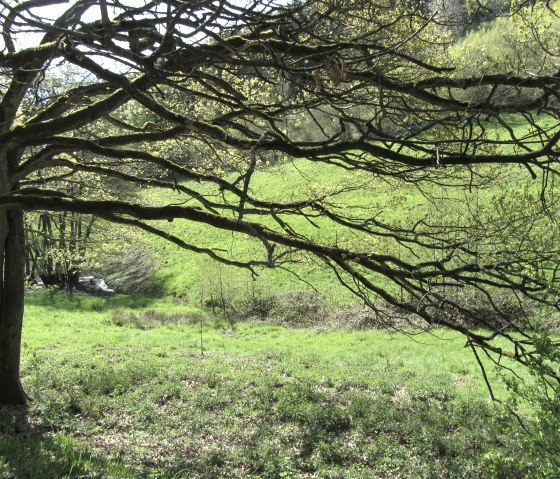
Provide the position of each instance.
(227, 80)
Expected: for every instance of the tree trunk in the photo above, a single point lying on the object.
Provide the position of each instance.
(11, 306)
(12, 256)
(12, 241)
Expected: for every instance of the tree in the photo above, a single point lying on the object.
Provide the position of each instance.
(157, 82)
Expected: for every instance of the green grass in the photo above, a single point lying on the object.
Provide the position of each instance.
(256, 401)
(196, 278)
(140, 387)
(189, 275)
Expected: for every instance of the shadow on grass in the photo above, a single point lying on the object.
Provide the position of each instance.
(29, 451)
(61, 300)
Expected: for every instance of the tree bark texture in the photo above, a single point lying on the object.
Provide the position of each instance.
(12, 255)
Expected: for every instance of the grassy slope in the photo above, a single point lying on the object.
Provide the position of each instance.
(189, 275)
(182, 272)
(261, 402)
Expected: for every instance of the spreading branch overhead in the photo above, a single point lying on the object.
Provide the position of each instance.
(190, 97)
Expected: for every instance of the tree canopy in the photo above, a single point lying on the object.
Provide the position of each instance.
(171, 94)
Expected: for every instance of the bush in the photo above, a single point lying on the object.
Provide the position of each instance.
(310, 309)
(382, 317)
(504, 311)
(129, 273)
(292, 308)
(152, 318)
(540, 444)
(505, 46)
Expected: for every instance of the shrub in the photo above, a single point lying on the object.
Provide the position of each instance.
(292, 308)
(152, 318)
(364, 318)
(540, 443)
(131, 272)
(503, 312)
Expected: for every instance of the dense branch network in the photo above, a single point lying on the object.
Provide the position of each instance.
(145, 95)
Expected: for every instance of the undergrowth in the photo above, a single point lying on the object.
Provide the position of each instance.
(254, 401)
(153, 318)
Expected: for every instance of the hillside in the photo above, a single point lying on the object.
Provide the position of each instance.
(199, 279)
(187, 274)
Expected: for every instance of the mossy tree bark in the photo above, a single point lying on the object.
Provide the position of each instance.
(11, 305)
(12, 256)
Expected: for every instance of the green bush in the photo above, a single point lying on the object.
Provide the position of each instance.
(153, 318)
(297, 308)
(513, 46)
(539, 444)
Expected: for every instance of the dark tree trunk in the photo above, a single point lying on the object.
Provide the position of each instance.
(11, 305)
(12, 241)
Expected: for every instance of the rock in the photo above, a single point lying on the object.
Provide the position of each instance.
(94, 285)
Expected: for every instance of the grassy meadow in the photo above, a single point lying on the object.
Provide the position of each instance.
(133, 387)
(142, 387)
(194, 277)
(474, 199)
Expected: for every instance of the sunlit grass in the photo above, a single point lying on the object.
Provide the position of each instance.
(243, 400)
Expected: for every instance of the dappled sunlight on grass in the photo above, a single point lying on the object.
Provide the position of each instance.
(116, 398)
